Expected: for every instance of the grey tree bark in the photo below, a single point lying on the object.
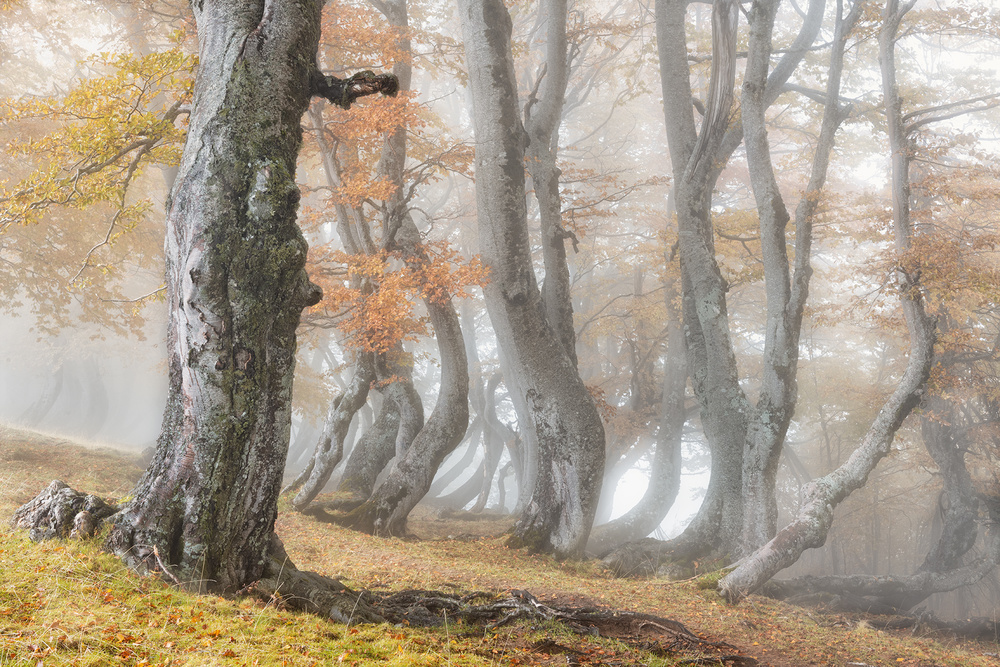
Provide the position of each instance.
(204, 511)
(375, 449)
(543, 113)
(745, 439)
(711, 360)
(330, 448)
(810, 527)
(569, 430)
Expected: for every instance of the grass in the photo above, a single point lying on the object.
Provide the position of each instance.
(67, 603)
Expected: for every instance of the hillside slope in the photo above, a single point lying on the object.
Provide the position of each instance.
(66, 603)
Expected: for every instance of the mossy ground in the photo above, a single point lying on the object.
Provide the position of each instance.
(67, 603)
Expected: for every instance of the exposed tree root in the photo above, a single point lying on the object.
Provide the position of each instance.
(55, 511)
(650, 557)
(662, 636)
(311, 592)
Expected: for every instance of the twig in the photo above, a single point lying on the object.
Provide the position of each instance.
(166, 571)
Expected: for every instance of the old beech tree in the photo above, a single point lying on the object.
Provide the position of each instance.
(205, 509)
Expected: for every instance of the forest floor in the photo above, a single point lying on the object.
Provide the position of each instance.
(67, 603)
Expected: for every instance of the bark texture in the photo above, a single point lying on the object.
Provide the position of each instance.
(543, 113)
(375, 449)
(738, 512)
(569, 430)
(236, 287)
(711, 360)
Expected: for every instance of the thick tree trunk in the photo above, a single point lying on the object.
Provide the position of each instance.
(569, 430)
(205, 508)
(711, 361)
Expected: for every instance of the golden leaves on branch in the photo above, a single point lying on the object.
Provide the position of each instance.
(103, 133)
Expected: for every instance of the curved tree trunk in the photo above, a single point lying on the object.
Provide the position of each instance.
(541, 123)
(711, 361)
(959, 502)
(330, 448)
(568, 426)
(409, 479)
(810, 526)
(526, 463)
(665, 475)
(733, 428)
(493, 442)
(420, 447)
(375, 449)
(465, 493)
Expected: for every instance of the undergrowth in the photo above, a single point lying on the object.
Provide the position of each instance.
(68, 603)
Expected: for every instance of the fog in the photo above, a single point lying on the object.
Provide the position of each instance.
(83, 316)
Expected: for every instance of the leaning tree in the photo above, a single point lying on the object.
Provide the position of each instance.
(204, 511)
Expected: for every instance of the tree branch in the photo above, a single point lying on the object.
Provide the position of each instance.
(343, 92)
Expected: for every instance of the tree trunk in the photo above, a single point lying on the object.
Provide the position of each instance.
(236, 282)
(330, 448)
(409, 479)
(374, 451)
(567, 424)
(447, 477)
(541, 123)
(665, 475)
(711, 360)
(959, 503)
(494, 435)
(810, 527)
(419, 455)
(786, 294)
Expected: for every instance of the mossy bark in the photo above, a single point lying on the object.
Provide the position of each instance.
(206, 506)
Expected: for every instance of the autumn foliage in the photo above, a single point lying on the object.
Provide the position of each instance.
(375, 300)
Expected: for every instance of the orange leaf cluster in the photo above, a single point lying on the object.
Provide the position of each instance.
(376, 298)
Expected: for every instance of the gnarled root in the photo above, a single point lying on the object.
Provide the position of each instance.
(311, 592)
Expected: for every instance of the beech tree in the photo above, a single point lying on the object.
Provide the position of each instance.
(569, 431)
(204, 511)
